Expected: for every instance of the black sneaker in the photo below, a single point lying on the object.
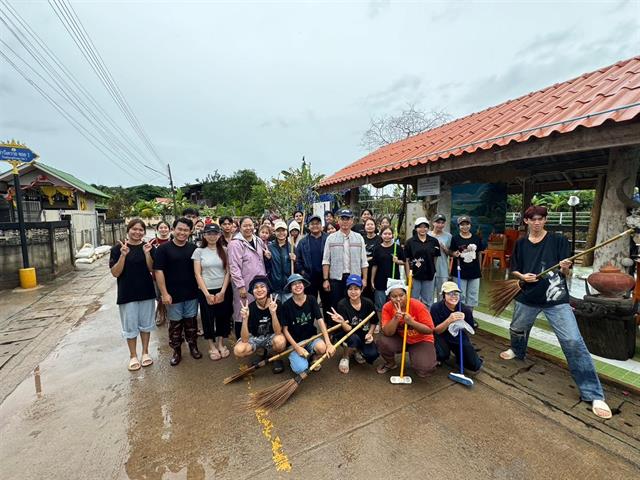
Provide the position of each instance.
(277, 366)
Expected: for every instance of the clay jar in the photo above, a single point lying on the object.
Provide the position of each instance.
(611, 282)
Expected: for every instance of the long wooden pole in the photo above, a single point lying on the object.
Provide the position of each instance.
(404, 339)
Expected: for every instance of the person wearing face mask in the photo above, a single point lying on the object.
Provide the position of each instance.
(466, 248)
(131, 263)
(177, 283)
(421, 252)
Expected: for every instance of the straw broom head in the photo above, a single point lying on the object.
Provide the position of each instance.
(275, 396)
(244, 372)
(502, 294)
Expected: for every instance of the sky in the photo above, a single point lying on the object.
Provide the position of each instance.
(237, 84)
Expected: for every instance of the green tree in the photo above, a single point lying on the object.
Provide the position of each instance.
(295, 190)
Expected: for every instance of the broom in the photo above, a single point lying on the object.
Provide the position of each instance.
(404, 379)
(277, 395)
(505, 291)
(262, 363)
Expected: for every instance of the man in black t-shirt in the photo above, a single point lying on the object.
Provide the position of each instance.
(298, 316)
(349, 313)
(178, 287)
(532, 255)
(260, 323)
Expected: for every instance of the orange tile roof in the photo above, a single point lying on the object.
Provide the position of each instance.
(610, 93)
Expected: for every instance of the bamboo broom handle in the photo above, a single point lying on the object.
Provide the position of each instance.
(404, 337)
(589, 250)
(343, 339)
(302, 344)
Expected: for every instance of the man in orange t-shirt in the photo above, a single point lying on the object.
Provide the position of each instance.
(420, 341)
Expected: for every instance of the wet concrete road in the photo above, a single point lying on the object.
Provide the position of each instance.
(94, 419)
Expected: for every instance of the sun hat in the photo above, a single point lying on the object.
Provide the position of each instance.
(421, 220)
(448, 287)
(392, 284)
(260, 279)
(296, 277)
(279, 224)
(294, 226)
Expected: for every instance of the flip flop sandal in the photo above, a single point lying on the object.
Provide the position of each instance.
(507, 355)
(384, 368)
(224, 352)
(359, 358)
(343, 366)
(134, 364)
(601, 409)
(376, 330)
(146, 360)
(214, 354)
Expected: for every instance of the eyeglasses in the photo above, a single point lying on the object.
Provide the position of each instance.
(453, 294)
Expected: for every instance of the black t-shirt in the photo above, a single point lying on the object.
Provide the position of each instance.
(177, 266)
(370, 244)
(440, 312)
(354, 317)
(299, 319)
(383, 259)
(135, 282)
(259, 322)
(469, 258)
(421, 256)
(531, 257)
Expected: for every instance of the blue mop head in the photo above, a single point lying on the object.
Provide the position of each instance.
(460, 378)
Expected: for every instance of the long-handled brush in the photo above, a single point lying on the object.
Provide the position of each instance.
(266, 361)
(460, 377)
(505, 291)
(404, 379)
(277, 395)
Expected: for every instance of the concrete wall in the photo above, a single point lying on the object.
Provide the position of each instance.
(47, 262)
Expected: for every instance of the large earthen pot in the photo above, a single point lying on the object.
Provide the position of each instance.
(611, 282)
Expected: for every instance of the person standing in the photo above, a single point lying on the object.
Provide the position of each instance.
(371, 241)
(246, 254)
(309, 254)
(421, 252)
(445, 312)
(179, 290)
(163, 235)
(131, 263)
(328, 217)
(382, 266)
(294, 233)
(466, 247)
(365, 215)
(278, 261)
(299, 314)
(212, 274)
(442, 262)
(532, 255)
(344, 254)
(226, 223)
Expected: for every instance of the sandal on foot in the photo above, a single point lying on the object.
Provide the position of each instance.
(601, 409)
(507, 355)
(134, 364)
(343, 366)
(146, 360)
(385, 367)
(214, 354)
(224, 351)
(359, 358)
(376, 329)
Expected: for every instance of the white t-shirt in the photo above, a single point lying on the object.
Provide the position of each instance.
(212, 267)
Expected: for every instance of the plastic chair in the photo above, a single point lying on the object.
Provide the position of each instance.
(496, 251)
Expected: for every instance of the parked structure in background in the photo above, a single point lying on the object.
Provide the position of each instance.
(51, 195)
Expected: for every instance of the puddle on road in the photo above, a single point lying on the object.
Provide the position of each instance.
(37, 381)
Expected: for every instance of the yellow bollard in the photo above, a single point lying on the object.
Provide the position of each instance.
(28, 278)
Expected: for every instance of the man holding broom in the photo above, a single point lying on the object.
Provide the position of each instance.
(550, 295)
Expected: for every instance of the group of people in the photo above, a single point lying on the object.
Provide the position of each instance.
(282, 284)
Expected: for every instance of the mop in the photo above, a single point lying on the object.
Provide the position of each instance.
(458, 328)
(404, 379)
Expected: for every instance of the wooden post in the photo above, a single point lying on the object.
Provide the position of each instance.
(587, 260)
(528, 186)
(623, 164)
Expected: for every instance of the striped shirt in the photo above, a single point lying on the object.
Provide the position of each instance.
(345, 254)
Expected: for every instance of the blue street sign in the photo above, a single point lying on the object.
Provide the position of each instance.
(14, 152)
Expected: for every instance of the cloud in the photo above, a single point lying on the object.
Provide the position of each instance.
(277, 122)
(405, 89)
(6, 88)
(29, 127)
(376, 7)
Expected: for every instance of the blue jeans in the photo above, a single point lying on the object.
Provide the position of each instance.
(300, 364)
(186, 309)
(423, 290)
(380, 298)
(368, 350)
(563, 322)
(444, 347)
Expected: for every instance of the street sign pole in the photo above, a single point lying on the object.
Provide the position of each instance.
(21, 226)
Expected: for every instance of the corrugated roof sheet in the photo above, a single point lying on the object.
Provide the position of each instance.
(610, 93)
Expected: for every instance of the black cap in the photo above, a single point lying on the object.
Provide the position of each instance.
(211, 228)
(344, 212)
(439, 217)
(464, 218)
(314, 217)
(260, 279)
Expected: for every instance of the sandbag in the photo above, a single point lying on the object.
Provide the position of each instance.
(86, 251)
(85, 260)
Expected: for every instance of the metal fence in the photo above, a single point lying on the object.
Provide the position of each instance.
(110, 231)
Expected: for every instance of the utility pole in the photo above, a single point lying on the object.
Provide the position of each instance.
(173, 193)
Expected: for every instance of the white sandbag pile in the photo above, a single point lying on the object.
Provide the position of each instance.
(89, 254)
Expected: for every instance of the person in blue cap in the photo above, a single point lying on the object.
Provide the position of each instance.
(298, 316)
(349, 313)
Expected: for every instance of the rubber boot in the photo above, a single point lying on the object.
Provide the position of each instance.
(175, 341)
(191, 335)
